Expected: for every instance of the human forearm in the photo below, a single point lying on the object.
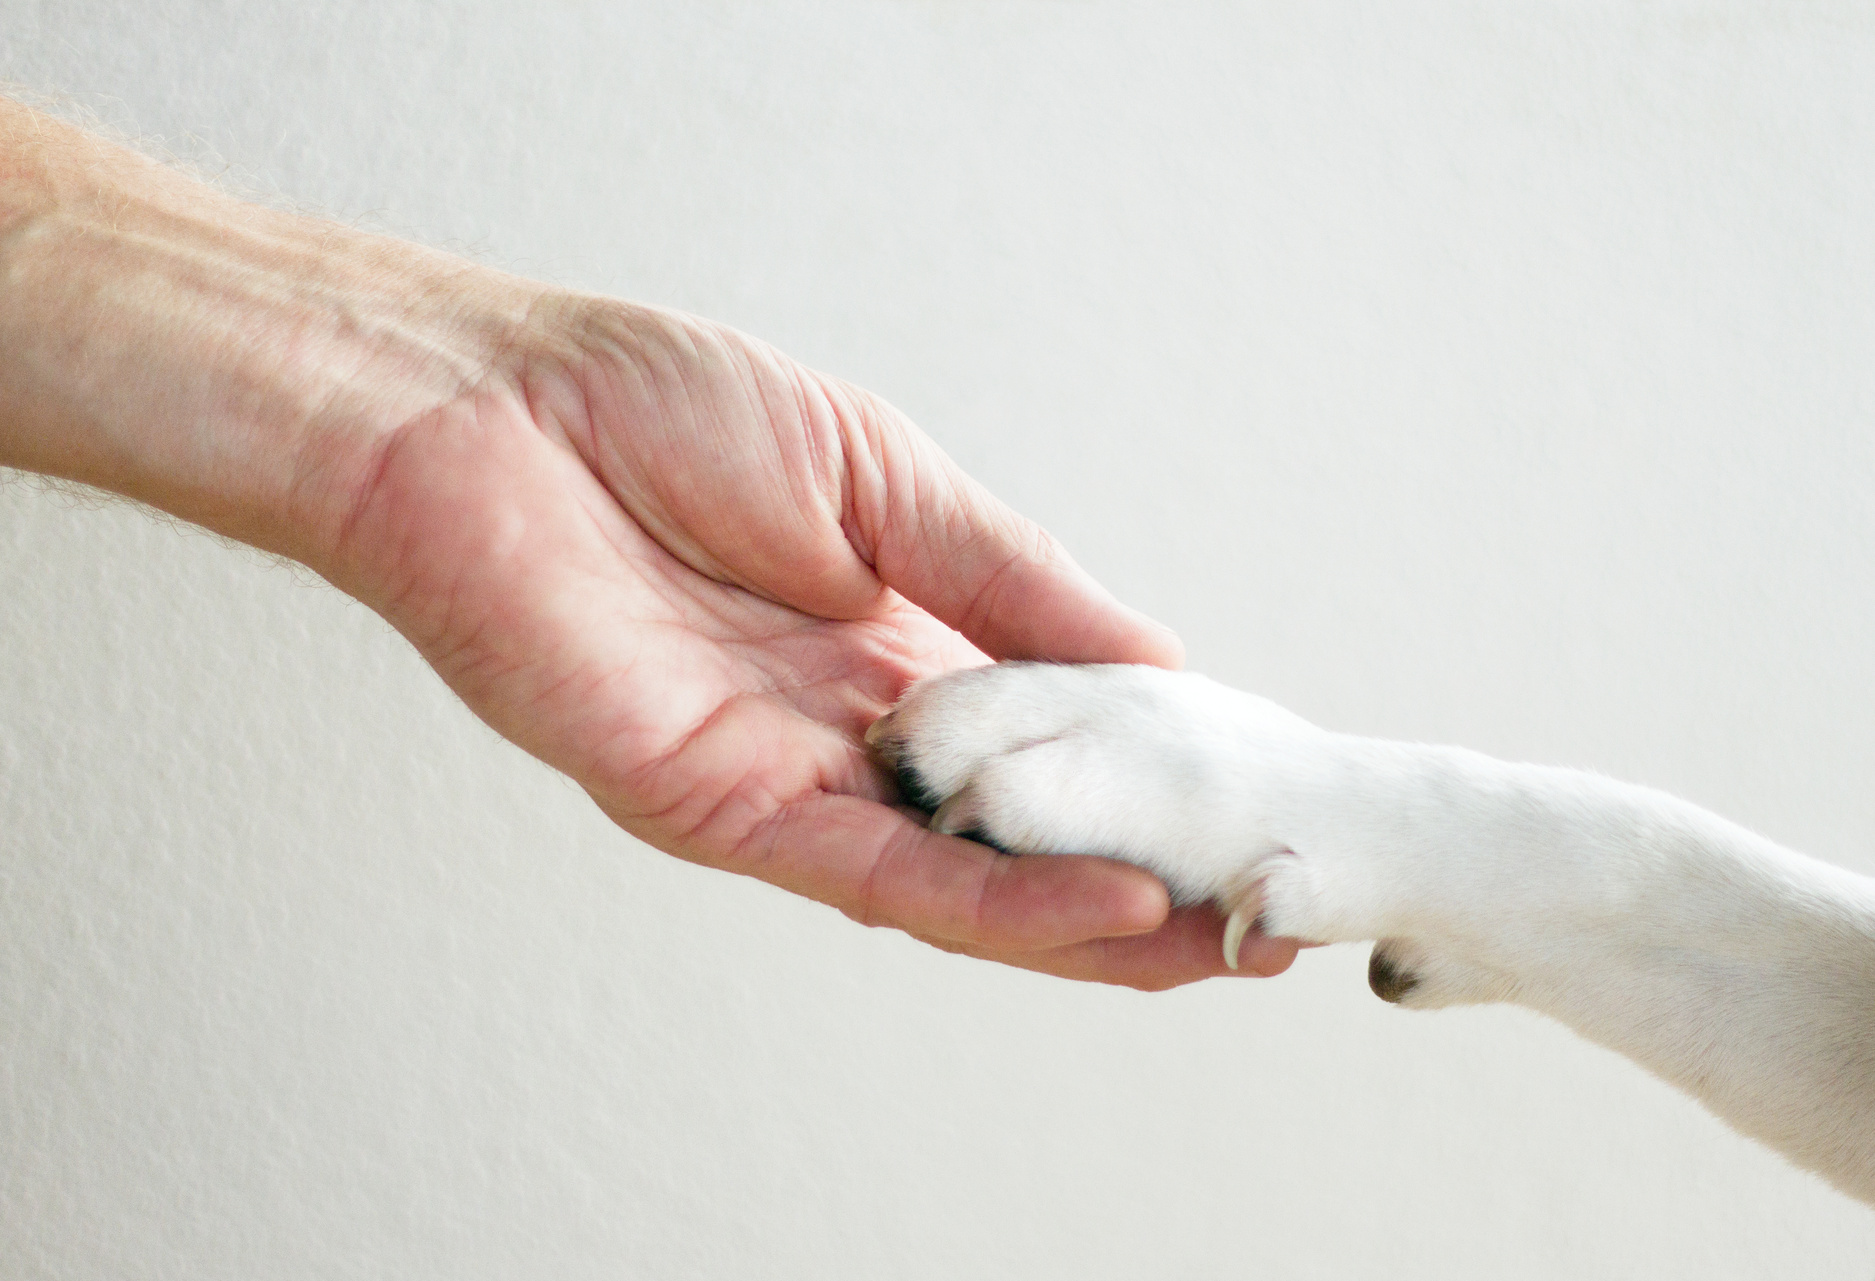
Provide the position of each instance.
(225, 362)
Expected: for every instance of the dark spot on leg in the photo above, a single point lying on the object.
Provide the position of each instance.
(1389, 981)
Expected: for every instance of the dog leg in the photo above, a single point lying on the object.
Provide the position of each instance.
(1738, 970)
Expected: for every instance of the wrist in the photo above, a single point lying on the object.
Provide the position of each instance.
(230, 364)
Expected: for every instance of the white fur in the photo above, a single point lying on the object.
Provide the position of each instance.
(1736, 969)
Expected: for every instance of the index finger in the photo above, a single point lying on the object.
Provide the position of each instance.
(948, 545)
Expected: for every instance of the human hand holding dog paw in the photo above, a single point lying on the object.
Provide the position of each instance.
(1166, 770)
(715, 569)
(654, 552)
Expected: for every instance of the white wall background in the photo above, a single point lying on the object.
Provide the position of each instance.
(1494, 373)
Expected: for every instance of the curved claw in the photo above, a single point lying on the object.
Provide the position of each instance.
(956, 815)
(876, 732)
(1234, 929)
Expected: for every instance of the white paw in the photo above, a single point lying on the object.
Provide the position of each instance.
(1166, 770)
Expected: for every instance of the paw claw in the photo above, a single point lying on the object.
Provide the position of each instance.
(957, 815)
(1234, 929)
(877, 731)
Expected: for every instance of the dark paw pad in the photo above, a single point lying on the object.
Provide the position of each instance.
(1389, 981)
(912, 788)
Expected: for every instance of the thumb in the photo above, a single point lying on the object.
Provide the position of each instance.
(945, 543)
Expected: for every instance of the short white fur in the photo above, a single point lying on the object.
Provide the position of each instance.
(1740, 971)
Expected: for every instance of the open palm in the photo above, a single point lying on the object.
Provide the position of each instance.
(689, 572)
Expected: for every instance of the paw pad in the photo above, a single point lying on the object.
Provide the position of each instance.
(1390, 981)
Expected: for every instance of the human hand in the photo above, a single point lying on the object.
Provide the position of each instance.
(654, 552)
(682, 568)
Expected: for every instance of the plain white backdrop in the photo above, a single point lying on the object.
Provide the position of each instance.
(1490, 373)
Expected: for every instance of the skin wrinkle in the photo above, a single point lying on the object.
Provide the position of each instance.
(591, 683)
(501, 666)
(820, 462)
(902, 842)
(893, 470)
(768, 833)
(982, 606)
(821, 478)
(644, 548)
(659, 577)
(650, 509)
(786, 676)
(614, 467)
(894, 623)
(801, 687)
(836, 701)
(380, 454)
(640, 728)
(530, 383)
(638, 780)
(996, 872)
(615, 534)
(862, 446)
(839, 784)
(974, 615)
(740, 790)
(902, 469)
(738, 795)
(806, 494)
(732, 617)
(301, 469)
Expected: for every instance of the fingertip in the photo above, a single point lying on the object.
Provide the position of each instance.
(1158, 645)
(1141, 904)
(1063, 614)
(1092, 625)
(1264, 957)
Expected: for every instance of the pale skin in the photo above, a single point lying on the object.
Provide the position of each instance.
(652, 551)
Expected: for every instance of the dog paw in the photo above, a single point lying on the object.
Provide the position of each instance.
(1226, 797)
(1165, 770)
